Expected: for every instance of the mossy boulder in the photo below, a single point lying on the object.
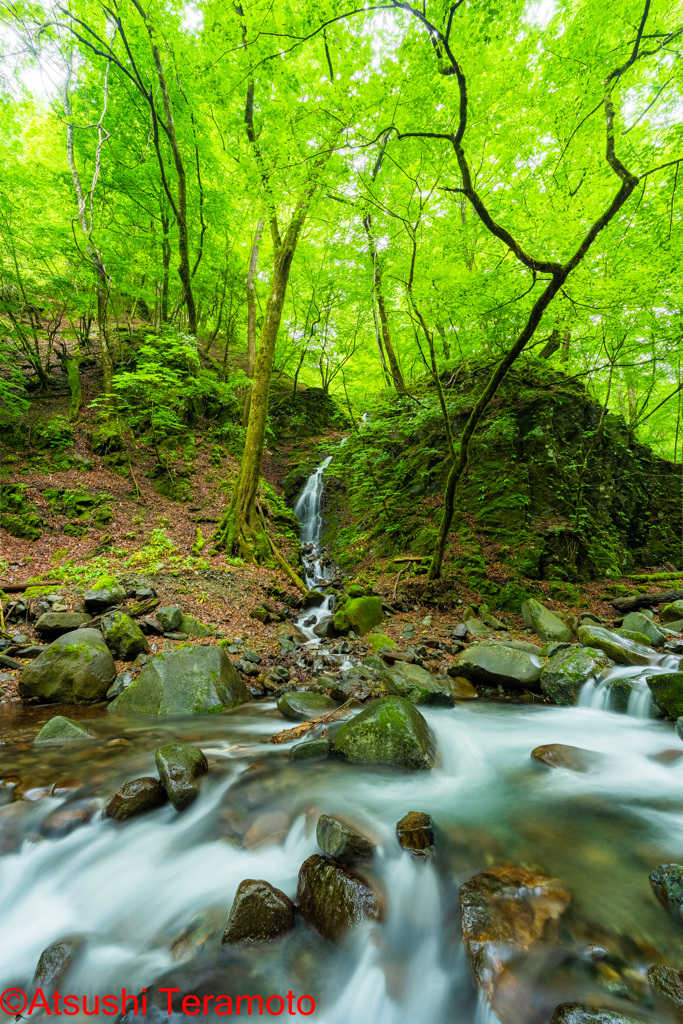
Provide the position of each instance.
(76, 669)
(637, 622)
(19, 515)
(418, 686)
(104, 593)
(62, 730)
(388, 731)
(136, 797)
(637, 638)
(259, 913)
(189, 680)
(667, 885)
(170, 617)
(564, 592)
(668, 690)
(360, 614)
(181, 768)
(331, 899)
(566, 673)
(123, 637)
(310, 749)
(57, 623)
(302, 706)
(193, 627)
(618, 648)
(544, 623)
(379, 641)
(494, 664)
(672, 612)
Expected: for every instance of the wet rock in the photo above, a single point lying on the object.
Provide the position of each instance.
(418, 686)
(341, 842)
(575, 1013)
(65, 819)
(62, 730)
(181, 768)
(136, 797)
(387, 731)
(667, 884)
(550, 650)
(169, 617)
(560, 755)
(619, 649)
(667, 983)
(360, 614)
(638, 638)
(58, 623)
(544, 623)
(671, 612)
(566, 672)
(105, 593)
(331, 899)
(507, 912)
(352, 688)
(494, 664)
(123, 680)
(202, 930)
(260, 913)
(302, 706)
(313, 599)
(462, 688)
(638, 622)
(123, 637)
(311, 748)
(76, 669)
(187, 681)
(415, 832)
(668, 690)
(56, 960)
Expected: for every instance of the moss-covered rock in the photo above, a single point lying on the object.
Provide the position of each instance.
(668, 690)
(57, 623)
(566, 673)
(123, 637)
(388, 731)
(418, 686)
(379, 641)
(136, 797)
(104, 593)
(637, 622)
(302, 706)
(76, 669)
(544, 623)
(193, 627)
(332, 899)
(62, 730)
(18, 514)
(618, 648)
(360, 614)
(189, 680)
(181, 768)
(494, 664)
(636, 638)
(672, 612)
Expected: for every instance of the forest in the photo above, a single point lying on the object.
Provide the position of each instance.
(341, 396)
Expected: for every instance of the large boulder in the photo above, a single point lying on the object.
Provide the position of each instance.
(302, 705)
(419, 687)
(667, 885)
(341, 842)
(671, 612)
(57, 623)
(361, 614)
(332, 899)
(618, 648)
(491, 664)
(566, 673)
(259, 913)
(136, 797)
(123, 637)
(668, 690)
(76, 669)
(105, 593)
(62, 730)
(508, 912)
(169, 617)
(388, 731)
(187, 681)
(181, 768)
(636, 622)
(544, 623)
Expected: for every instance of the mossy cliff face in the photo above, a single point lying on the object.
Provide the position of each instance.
(548, 491)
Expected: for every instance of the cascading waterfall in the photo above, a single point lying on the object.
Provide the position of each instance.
(599, 694)
(308, 510)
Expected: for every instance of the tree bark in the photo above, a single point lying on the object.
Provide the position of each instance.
(395, 369)
(251, 314)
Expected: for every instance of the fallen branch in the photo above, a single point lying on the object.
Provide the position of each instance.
(630, 604)
(652, 577)
(286, 568)
(304, 727)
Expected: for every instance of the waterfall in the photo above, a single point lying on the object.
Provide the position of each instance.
(308, 511)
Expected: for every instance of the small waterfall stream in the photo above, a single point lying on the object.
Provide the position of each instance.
(308, 510)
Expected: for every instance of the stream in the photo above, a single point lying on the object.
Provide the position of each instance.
(149, 899)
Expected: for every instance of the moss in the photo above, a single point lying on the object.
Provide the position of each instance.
(18, 513)
(378, 641)
(360, 614)
(199, 542)
(565, 592)
(54, 432)
(32, 592)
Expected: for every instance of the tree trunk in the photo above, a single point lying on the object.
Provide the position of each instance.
(72, 366)
(396, 376)
(166, 263)
(251, 315)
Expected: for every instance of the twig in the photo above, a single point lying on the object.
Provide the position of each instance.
(304, 727)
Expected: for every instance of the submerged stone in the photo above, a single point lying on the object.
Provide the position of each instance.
(181, 768)
(388, 731)
(415, 833)
(331, 899)
(302, 705)
(311, 748)
(494, 664)
(619, 649)
(123, 637)
(544, 623)
(560, 755)
(62, 730)
(259, 913)
(136, 797)
(187, 681)
(341, 842)
(566, 672)
(667, 884)
(76, 669)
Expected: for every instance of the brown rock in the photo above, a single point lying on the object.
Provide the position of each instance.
(506, 912)
(259, 913)
(415, 832)
(65, 819)
(668, 988)
(270, 827)
(574, 1013)
(55, 961)
(136, 797)
(332, 899)
(560, 755)
(670, 756)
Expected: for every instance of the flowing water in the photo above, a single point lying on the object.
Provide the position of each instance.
(149, 898)
(308, 510)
